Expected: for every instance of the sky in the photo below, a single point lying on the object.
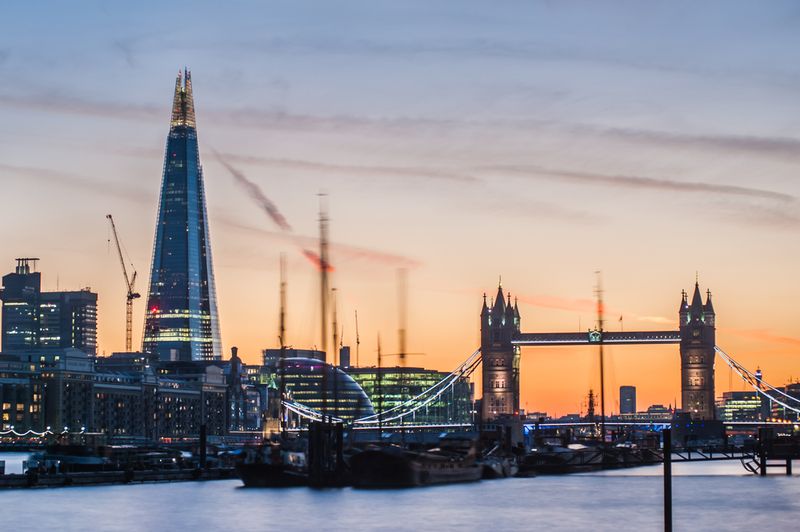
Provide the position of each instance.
(538, 141)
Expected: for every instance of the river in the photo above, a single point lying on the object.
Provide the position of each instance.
(707, 496)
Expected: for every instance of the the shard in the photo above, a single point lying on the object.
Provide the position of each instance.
(181, 320)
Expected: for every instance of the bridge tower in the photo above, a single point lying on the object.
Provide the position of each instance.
(499, 327)
(698, 338)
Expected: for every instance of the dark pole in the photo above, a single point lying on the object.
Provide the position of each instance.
(667, 435)
(380, 392)
(762, 451)
(282, 359)
(203, 445)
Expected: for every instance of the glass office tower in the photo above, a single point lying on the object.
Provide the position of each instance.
(181, 318)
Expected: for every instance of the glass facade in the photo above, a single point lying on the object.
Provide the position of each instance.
(400, 384)
(181, 318)
(34, 320)
(20, 322)
(741, 406)
(69, 319)
(342, 396)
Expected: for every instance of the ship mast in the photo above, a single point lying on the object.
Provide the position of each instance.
(323, 272)
(599, 292)
(282, 337)
(335, 356)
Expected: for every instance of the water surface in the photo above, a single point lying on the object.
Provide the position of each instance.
(708, 496)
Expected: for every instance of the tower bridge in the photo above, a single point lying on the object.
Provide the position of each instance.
(502, 339)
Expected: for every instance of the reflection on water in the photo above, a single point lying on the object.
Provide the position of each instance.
(708, 496)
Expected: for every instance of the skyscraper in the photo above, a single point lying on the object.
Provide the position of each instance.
(36, 321)
(20, 295)
(181, 318)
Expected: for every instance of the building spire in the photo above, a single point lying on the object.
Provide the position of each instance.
(183, 101)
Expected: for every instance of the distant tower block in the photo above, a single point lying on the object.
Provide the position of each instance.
(698, 339)
(627, 399)
(500, 326)
(181, 319)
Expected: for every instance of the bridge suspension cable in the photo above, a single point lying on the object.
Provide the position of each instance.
(453, 380)
(758, 384)
(404, 409)
(465, 369)
(307, 412)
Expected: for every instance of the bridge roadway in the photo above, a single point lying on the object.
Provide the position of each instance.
(593, 337)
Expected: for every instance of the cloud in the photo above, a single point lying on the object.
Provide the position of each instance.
(558, 303)
(255, 192)
(655, 319)
(372, 171)
(763, 335)
(516, 205)
(749, 215)
(344, 252)
(784, 146)
(71, 181)
(277, 119)
(590, 306)
(56, 101)
(638, 182)
(125, 48)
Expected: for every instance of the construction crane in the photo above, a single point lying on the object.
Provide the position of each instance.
(129, 283)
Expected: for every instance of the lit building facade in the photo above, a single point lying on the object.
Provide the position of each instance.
(20, 294)
(778, 411)
(181, 320)
(698, 339)
(20, 394)
(500, 324)
(325, 388)
(399, 384)
(68, 319)
(740, 406)
(40, 321)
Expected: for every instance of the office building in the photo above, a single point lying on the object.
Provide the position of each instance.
(740, 406)
(181, 320)
(20, 294)
(36, 322)
(390, 387)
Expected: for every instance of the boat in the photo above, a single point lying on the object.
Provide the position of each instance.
(62, 458)
(556, 459)
(495, 467)
(393, 466)
(275, 464)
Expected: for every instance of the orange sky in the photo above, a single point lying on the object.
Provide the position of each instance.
(540, 143)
